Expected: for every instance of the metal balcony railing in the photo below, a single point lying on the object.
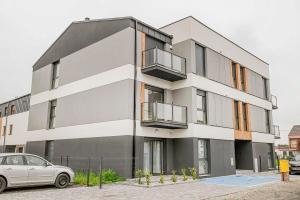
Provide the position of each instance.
(164, 64)
(274, 102)
(276, 131)
(163, 115)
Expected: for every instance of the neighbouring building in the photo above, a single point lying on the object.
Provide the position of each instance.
(154, 99)
(294, 139)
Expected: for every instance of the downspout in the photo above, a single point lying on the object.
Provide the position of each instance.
(134, 100)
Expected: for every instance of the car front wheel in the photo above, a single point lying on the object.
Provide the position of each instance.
(2, 184)
(62, 181)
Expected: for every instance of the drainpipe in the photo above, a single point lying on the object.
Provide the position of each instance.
(134, 100)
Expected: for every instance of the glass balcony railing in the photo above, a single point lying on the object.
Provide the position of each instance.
(164, 64)
(164, 115)
(276, 131)
(274, 102)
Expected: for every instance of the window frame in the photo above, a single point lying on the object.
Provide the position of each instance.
(242, 78)
(13, 109)
(206, 155)
(55, 74)
(52, 113)
(4, 130)
(245, 117)
(203, 60)
(233, 74)
(201, 94)
(268, 125)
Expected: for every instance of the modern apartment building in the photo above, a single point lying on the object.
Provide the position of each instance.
(155, 99)
(294, 139)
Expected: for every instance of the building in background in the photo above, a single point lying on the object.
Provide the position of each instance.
(154, 99)
(294, 139)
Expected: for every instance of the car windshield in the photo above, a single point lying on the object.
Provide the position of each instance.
(297, 158)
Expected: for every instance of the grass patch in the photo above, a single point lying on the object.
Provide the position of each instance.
(108, 176)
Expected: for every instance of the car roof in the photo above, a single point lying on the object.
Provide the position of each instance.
(14, 154)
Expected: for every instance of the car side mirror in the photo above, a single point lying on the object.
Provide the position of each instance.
(46, 164)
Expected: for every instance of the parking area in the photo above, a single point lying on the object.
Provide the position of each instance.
(262, 188)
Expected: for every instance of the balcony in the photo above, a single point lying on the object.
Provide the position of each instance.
(160, 115)
(164, 65)
(276, 131)
(274, 102)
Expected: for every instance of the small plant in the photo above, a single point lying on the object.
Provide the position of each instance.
(161, 178)
(185, 177)
(173, 177)
(148, 177)
(139, 174)
(193, 173)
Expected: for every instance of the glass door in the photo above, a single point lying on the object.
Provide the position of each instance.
(153, 156)
(202, 157)
(154, 95)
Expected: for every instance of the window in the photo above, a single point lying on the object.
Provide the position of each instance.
(10, 129)
(236, 115)
(202, 157)
(267, 121)
(200, 62)
(233, 65)
(265, 82)
(294, 144)
(201, 107)
(12, 109)
(4, 130)
(242, 73)
(55, 75)
(152, 43)
(1, 159)
(245, 117)
(35, 161)
(52, 114)
(14, 160)
(6, 111)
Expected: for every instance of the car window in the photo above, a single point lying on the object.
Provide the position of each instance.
(33, 160)
(14, 160)
(1, 159)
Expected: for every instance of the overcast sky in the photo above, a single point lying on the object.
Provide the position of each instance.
(268, 28)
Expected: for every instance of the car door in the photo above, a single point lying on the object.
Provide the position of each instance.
(15, 170)
(38, 171)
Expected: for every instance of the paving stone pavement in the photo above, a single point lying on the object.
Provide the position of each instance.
(188, 191)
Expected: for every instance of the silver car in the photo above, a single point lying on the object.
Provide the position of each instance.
(20, 169)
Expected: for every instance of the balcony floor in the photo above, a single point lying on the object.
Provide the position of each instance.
(167, 125)
(163, 73)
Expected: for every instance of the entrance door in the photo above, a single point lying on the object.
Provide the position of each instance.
(153, 156)
(153, 95)
(202, 157)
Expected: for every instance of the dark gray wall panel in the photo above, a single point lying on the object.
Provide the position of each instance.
(36, 147)
(107, 103)
(260, 150)
(21, 104)
(221, 152)
(257, 119)
(218, 67)
(185, 153)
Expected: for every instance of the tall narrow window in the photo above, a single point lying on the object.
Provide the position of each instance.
(265, 88)
(267, 121)
(0, 114)
(52, 114)
(200, 62)
(242, 73)
(236, 115)
(10, 129)
(55, 75)
(201, 107)
(233, 65)
(5, 111)
(12, 109)
(4, 130)
(245, 117)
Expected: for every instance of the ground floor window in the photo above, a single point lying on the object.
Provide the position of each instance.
(202, 157)
(153, 156)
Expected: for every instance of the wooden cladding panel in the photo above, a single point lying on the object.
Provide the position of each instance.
(142, 99)
(143, 48)
(241, 133)
(238, 76)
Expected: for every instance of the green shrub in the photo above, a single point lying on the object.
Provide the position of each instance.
(108, 176)
(161, 178)
(185, 177)
(139, 174)
(148, 177)
(193, 173)
(173, 177)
